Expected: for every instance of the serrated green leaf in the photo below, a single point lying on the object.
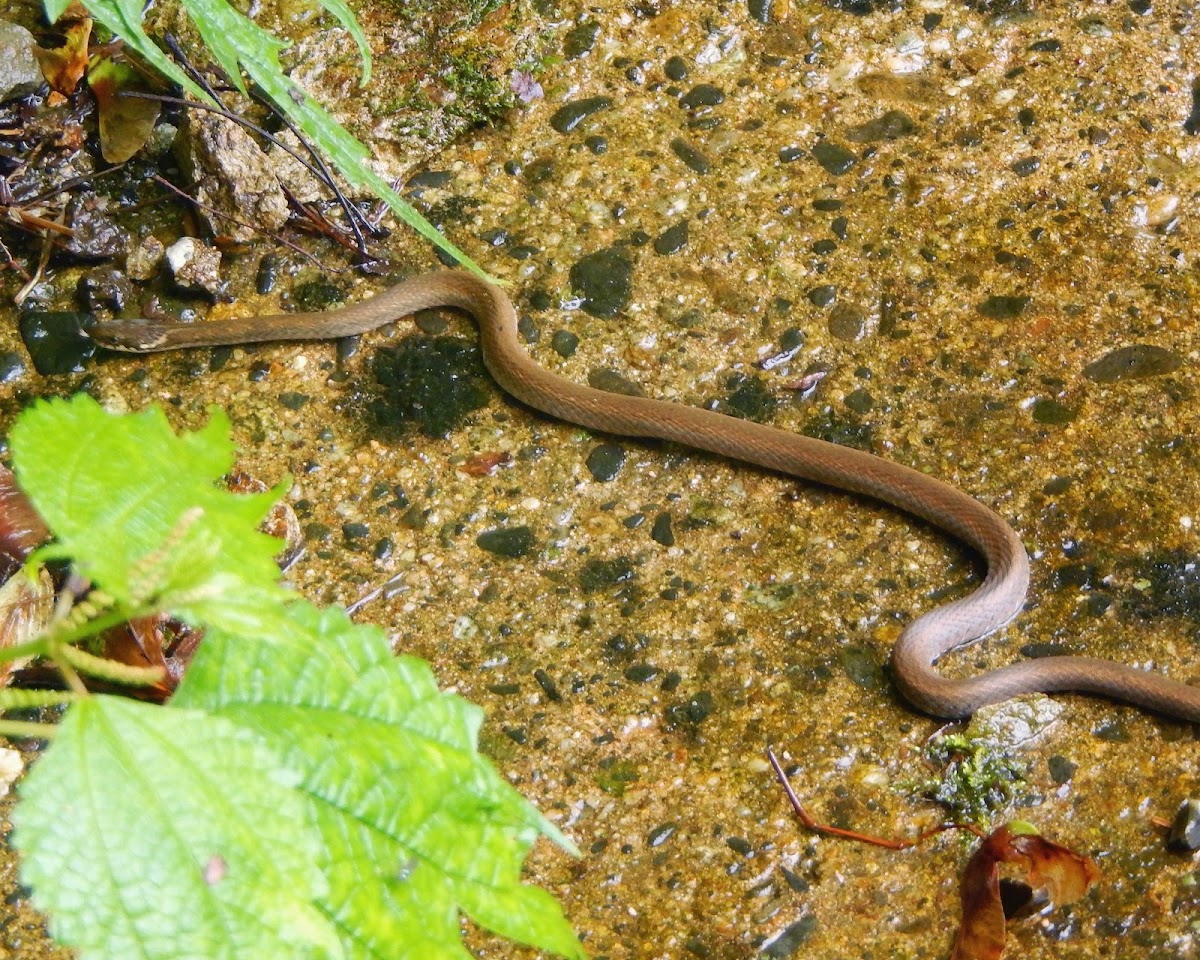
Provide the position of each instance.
(138, 816)
(118, 491)
(417, 818)
(412, 824)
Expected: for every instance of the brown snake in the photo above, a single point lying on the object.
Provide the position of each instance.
(997, 600)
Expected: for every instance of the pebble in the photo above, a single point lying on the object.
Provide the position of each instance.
(823, 295)
(891, 126)
(606, 461)
(610, 381)
(691, 156)
(95, 235)
(564, 343)
(569, 116)
(12, 366)
(1133, 363)
(1052, 413)
(104, 288)
(604, 281)
(702, 95)
(580, 39)
(56, 342)
(506, 541)
(1003, 307)
(1026, 166)
(792, 939)
(196, 266)
(20, 74)
(833, 158)
(672, 240)
(847, 321)
(145, 258)
(661, 531)
(1185, 830)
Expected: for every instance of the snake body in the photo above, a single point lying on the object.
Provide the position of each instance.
(996, 601)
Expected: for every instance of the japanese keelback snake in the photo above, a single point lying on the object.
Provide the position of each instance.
(997, 600)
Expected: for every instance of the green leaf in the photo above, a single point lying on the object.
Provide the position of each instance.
(155, 832)
(239, 43)
(292, 723)
(413, 815)
(138, 508)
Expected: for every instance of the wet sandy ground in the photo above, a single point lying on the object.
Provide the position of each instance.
(1026, 208)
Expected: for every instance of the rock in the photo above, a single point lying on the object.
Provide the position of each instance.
(1133, 363)
(95, 235)
(196, 266)
(604, 281)
(104, 288)
(145, 259)
(20, 74)
(1185, 830)
(237, 192)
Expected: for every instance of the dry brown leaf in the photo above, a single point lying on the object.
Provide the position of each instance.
(125, 122)
(63, 67)
(1063, 874)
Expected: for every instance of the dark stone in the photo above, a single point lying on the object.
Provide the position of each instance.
(860, 400)
(693, 713)
(790, 154)
(662, 532)
(792, 939)
(431, 383)
(1061, 769)
(12, 366)
(1004, 307)
(749, 399)
(318, 294)
(833, 158)
(355, 531)
(692, 157)
(605, 574)
(1133, 363)
(95, 236)
(1185, 829)
(612, 382)
(702, 95)
(1026, 166)
(104, 288)
(1052, 413)
(672, 240)
(862, 668)
(1049, 45)
(569, 116)
(676, 69)
(268, 273)
(549, 687)
(506, 541)
(891, 126)
(564, 343)
(604, 281)
(822, 296)
(661, 834)
(56, 341)
(293, 400)
(847, 321)
(580, 39)
(640, 673)
(597, 144)
(605, 461)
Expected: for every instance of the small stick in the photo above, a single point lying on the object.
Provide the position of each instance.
(816, 826)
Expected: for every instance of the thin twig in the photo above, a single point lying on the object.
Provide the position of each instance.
(242, 223)
(817, 826)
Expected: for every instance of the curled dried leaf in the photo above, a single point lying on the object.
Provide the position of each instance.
(1064, 875)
